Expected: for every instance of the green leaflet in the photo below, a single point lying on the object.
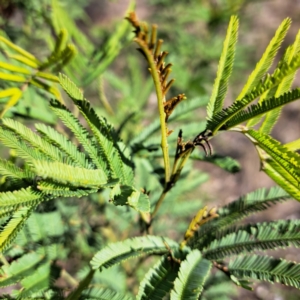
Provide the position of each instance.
(107, 147)
(19, 269)
(19, 50)
(288, 160)
(216, 101)
(70, 87)
(128, 195)
(10, 140)
(85, 139)
(25, 134)
(14, 225)
(159, 280)
(10, 170)
(267, 269)
(67, 174)
(237, 210)
(6, 212)
(219, 120)
(248, 238)
(37, 281)
(62, 190)
(260, 109)
(283, 87)
(20, 197)
(293, 146)
(193, 273)
(266, 61)
(282, 177)
(64, 145)
(117, 252)
(102, 294)
(119, 165)
(254, 86)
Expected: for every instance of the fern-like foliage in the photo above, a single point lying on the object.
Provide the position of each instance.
(243, 207)
(272, 116)
(262, 108)
(267, 269)
(117, 252)
(20, 269)
(260, 84)
(193, 273)
(284, 162)
(248, 238)
(96, 163)
(60, 169)
(273, 92)
(225, 68)
(103, 294)
(14, 224)
(29, 71)
(266, 61)
(158, 282)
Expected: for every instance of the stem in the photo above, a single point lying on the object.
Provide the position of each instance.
(160, 101)
(173, 178)
(82, 286)
(158, 203)
(3, 260)
(68, 278)
(103, 98)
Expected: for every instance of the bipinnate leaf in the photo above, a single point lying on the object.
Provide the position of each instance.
(193, 273)
(266, 60)
(11, 171)
(67, 174)
(25, 134)
(272, 116)
(70, 88)
(128, 195)
(260, 109)
(14, 225)
(115, 253)
(105, 139)
(38, 281)
(293, 146)
(288, 161)
(64, 145)
(14, 94)
(215, 103)
(20, 268)
(103, 294)
(237, 210)
(20, 197)
(266, 268)
(282, 177)
(219, 120)
(159, 280)
(86, 140)
(261, 236)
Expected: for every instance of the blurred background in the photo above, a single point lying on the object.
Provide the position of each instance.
(193, 33)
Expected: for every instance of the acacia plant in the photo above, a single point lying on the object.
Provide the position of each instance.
(125, 185)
